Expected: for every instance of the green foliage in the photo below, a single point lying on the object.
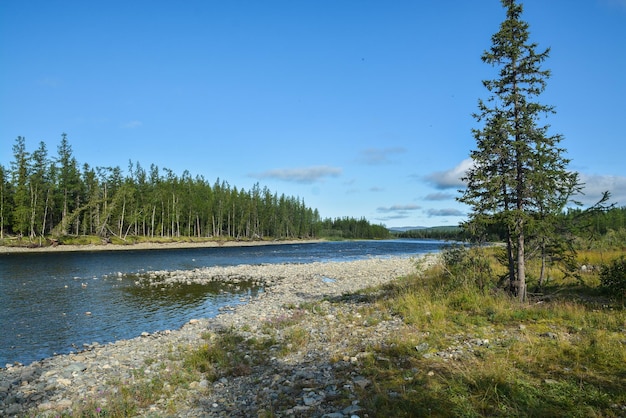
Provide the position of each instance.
(598, 222)
(613, 278)
(467, 267)
(5, 192)
(223, 356)
(42, 196)
(19, 175)
(351, 228)
(519, 179)
(455, 233)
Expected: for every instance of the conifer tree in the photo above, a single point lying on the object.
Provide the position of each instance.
(4, 200)
(519, 175)
(68, 184)
(40, 189)
(20, 169)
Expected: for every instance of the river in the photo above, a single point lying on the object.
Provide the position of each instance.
(53, 303)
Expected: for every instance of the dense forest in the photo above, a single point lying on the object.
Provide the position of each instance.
(454, 233)
(43, 196)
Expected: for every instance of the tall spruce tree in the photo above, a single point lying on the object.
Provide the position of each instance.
(20, 169)
(5, 210)
(69, 186)
(519, 175)
(40, 188)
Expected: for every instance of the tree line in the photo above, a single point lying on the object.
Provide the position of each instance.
(599, 225)
(44, 196)
(451, 233)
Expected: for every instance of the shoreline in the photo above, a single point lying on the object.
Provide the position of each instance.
(57, 384)
(149, 246)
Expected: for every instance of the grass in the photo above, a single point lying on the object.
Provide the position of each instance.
(134, 396)
(459, 349)
(563, 357)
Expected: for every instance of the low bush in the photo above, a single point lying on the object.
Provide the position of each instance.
(468, 267)
(613, 278)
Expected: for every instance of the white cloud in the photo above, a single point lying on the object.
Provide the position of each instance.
(595, 185)
(378, 156)
(300, 175)
(132, 124)
(451, 179)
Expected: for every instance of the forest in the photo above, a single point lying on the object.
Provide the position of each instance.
(44, 196)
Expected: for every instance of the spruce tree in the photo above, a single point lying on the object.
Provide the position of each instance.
(519, 175)
(20, 170)
(5, 210)
(69, 184)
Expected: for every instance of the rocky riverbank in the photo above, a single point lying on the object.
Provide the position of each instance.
(281, 370)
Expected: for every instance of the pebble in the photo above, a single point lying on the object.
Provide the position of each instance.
(302, 382)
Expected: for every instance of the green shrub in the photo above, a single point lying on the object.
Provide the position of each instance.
(613, 278)
(467, 267)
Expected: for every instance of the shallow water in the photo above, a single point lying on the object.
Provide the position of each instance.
(56, 302)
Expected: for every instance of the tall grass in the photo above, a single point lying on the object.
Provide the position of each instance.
(476, 352)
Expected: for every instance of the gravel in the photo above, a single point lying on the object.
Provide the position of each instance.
(318, 377)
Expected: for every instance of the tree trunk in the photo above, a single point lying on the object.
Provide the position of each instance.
(33, 212)
(521, 266)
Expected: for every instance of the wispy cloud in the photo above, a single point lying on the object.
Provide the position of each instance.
(376, 189)
(379, 156)
(450, 179)
(596, 184)
(398, 208)
(396, 212)
(439, 196)
(300, 175)
(132, 124)
(444, 212)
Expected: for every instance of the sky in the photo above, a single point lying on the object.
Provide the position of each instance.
(361, 108)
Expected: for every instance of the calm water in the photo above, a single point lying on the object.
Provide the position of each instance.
(45, 297)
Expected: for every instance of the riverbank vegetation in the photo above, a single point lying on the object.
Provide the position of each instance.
(444, 341)
(46, 199)
(470, 350)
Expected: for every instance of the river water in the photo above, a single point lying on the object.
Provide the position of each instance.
(53, 303)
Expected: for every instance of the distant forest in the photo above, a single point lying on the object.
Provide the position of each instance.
(589, 229)
(43, 196)
(455, 233)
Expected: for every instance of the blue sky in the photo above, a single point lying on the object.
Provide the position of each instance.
(362, 108)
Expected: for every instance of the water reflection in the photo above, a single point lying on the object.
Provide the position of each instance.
(190, 296)
(45, 297)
